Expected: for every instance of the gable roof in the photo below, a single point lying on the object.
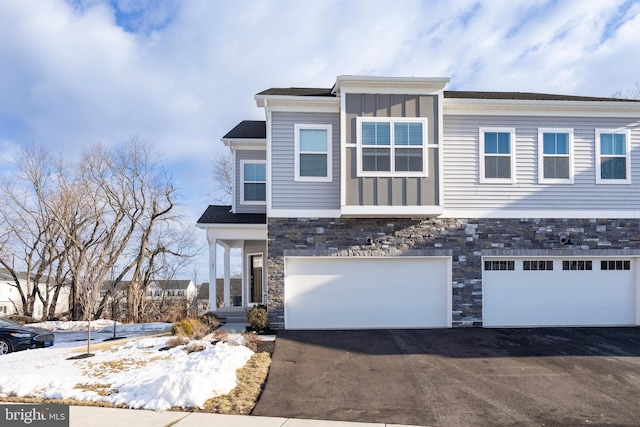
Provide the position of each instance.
(528, 96)
(173, 284)
(248, 129)
(223, 215)
(458, 94)
(298, 91)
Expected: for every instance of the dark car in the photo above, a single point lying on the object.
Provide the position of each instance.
(15, 337)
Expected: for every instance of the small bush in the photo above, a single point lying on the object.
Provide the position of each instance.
(194, 347)
(182, 328)
(192, 328)
(177, 341)
(210, 320)
(220, 335)
(251, 341)
(257, 317)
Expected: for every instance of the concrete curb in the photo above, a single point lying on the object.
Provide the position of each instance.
(90, 416)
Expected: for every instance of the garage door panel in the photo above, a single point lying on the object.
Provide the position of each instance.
(354, 292)
(558, 297)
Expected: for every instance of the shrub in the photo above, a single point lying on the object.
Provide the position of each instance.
(251, 340)
(210, 320)
(192, 328)
(220, 335)
(193, 347)
(177, 340)
(182, 328)
(257, 317)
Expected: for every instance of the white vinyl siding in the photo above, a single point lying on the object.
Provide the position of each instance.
(461, 167)
(286, 192)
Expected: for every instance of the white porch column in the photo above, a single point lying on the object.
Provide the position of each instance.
(227, 275)
(213, 305)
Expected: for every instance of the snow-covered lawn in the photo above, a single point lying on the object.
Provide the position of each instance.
(134, 373)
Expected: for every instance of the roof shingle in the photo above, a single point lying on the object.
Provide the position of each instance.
(248, 129)
(223, 215)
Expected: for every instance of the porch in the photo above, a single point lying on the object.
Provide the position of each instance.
(244, 234)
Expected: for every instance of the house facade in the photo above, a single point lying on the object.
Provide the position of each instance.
(394, 203)
(11, 301)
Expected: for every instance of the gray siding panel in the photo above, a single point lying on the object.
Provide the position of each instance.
(286, 193)
(247, 155)
(461, 166)
(391, 191)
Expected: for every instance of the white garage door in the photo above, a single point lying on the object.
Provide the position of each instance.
(359, 292)
(558, 292)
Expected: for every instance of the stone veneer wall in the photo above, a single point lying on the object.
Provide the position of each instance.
(465, 240)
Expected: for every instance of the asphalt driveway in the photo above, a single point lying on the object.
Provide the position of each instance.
(457, 377)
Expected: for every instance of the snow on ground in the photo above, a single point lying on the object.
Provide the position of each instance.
(71, 334)
(144, 376)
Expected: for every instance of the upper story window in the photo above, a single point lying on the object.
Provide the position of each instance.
(613, 157)
(313, 153)
(497, 155)
(555, 156)
(254, 182)
(391, 146)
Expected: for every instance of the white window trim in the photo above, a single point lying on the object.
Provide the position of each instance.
(541, 156)
(512, 150)
(627, 134)
(393, 173)
(329, 129)
(250, 202)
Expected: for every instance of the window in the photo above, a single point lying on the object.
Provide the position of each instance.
(497, 155)
(313, 153)
(577, 265)
(254, 182)
(613, 160)
(499, 265)
(392, 146)
(537, 265)
(615, 265)
(555, 156)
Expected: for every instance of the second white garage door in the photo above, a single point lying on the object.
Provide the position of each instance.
(558, 292)
(359, 292)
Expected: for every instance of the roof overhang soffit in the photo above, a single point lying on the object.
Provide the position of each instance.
(312, 104)
(540, 108)
(390, 85)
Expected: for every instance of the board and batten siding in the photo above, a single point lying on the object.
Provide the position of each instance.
(391, 191)
(286, 193)
(463, 190)
(240, 156)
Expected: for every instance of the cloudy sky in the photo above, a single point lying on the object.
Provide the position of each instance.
(183, 73)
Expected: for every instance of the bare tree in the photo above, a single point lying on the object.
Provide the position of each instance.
(73, 224)
(31, 235)
(223, 178)
(633, 93)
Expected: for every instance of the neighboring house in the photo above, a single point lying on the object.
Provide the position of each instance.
(203, 294)
(157, 289)
(11, 303)
(392, 203)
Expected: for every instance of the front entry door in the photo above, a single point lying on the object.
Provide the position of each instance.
(255, 279)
